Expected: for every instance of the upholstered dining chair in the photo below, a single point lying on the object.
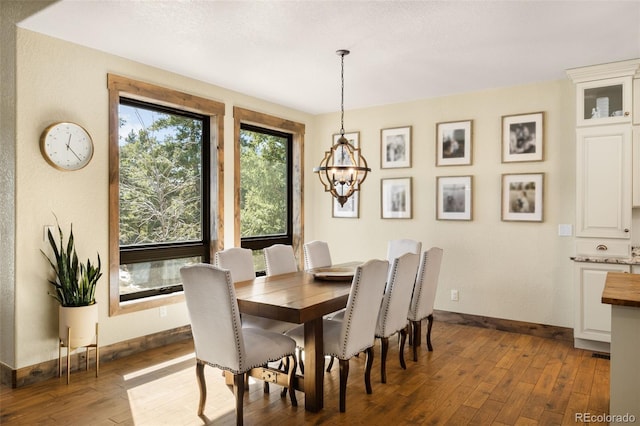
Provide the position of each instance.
(395, 305)
(239, 261)
(219, 338)
(396, 248)
(280, 259)
(316, 254)
(424, 296)
(355, 334)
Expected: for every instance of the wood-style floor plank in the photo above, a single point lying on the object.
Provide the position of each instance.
(474, 376)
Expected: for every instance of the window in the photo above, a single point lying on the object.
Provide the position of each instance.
(268, 181)
(265, 189)
(163, 187)
(164, 196)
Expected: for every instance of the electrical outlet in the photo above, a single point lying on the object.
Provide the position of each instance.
(163, 311)
(454, 295)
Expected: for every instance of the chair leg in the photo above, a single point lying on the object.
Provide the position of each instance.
(300, 360)
(330, 366)
(202, 385)
(430, 318)
(416, 332)
(292, 375)
(383, 358)
(403, 339)
(344, 374)
(265, 385)
(238, 392)
(367, 370)
(286, 364)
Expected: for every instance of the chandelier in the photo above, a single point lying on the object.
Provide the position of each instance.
(343, 168)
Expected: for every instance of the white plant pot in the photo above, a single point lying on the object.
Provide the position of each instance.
(81, 322)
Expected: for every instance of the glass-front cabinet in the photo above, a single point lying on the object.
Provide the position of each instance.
(605, 101)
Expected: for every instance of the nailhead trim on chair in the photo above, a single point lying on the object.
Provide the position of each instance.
(234, 315)
(391, 283)
(413, 315)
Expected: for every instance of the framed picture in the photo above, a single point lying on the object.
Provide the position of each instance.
(522, 197)
(395, 146)
(341, 157)
(522, 137)
(453, 143)
(350, 208)
(454, 198)
(396, 198)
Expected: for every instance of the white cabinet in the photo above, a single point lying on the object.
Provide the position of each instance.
(606, 101)
(603, 181)
(607, 104)
(592, 317)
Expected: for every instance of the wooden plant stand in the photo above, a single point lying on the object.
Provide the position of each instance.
(93, 345)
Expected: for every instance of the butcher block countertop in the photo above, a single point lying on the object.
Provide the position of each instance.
(622, 289)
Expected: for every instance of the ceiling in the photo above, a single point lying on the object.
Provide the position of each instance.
(284, 51)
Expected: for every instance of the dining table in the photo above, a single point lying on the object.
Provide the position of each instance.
(302, 297)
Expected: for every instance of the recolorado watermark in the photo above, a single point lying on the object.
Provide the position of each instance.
(604, 418)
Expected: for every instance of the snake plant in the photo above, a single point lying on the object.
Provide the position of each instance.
(75, 282)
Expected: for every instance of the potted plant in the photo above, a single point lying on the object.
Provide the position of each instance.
(74, 287)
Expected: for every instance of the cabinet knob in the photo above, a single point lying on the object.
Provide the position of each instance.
(602, 247)
(626, 230)
(626, 113)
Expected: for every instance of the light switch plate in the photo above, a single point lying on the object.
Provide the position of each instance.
(565, 230)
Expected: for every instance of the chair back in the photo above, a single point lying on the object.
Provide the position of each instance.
(424, 293)
(359, 323)
(396, 248)
(237, 260)
(280, 259)
(316, 255)
(214, 315)
(397, 295)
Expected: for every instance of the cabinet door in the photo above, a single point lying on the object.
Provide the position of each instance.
(606, 101)
(603, 181)
(593, 318)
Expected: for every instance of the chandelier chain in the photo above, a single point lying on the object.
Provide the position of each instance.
(342, 97)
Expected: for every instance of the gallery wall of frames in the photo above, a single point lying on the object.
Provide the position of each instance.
(522, 140)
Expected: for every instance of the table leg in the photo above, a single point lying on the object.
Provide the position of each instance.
(314, 366)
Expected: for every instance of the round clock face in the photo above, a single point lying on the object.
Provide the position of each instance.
(66, 146)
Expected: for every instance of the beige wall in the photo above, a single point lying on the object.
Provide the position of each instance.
(59, 81)
(509, 270)
(513, 270)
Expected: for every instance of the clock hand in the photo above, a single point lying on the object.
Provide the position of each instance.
(72, 151)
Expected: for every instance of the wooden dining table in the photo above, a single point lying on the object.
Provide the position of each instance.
(299, 298)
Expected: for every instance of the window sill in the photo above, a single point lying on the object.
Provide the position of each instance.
(118, 308)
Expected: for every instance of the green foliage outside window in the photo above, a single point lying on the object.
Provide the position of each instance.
(160, 178)
(263, 187)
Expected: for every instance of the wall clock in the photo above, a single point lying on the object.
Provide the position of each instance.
(66, 146)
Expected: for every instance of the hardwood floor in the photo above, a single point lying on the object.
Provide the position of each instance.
(474, 376)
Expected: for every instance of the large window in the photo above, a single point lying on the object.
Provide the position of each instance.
(164, 154)
(164, 196)
(268, 182)
(265, 188)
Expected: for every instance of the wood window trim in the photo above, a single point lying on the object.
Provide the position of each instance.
(297, 130)
(122, 86)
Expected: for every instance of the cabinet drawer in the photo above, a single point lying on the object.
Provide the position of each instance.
(603, 248)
